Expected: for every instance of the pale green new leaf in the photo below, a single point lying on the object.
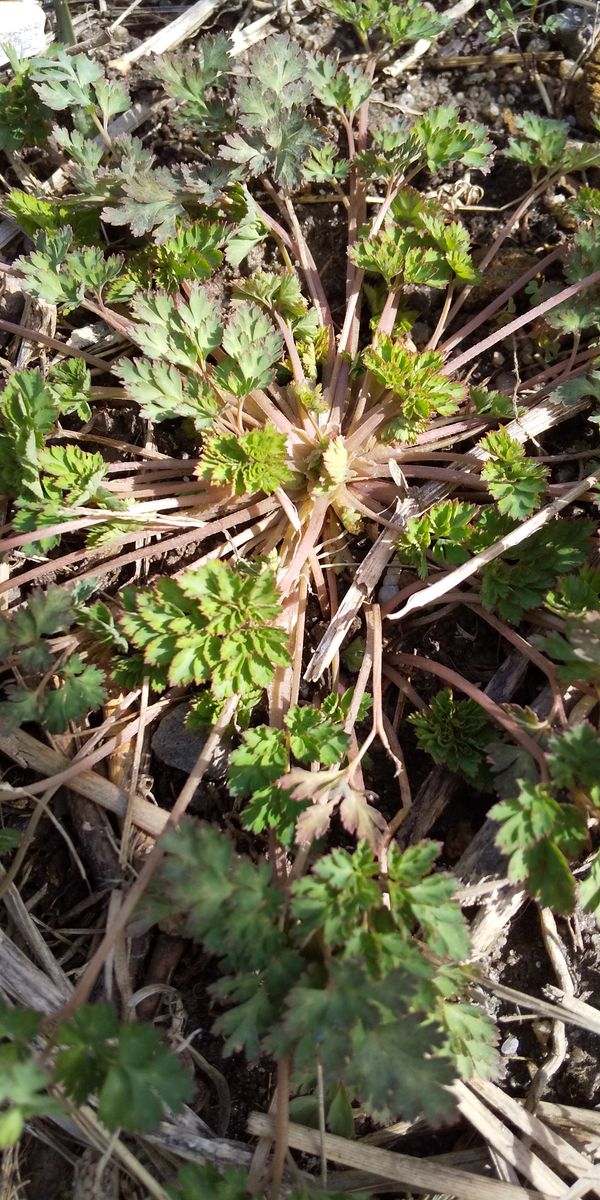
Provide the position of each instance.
(66, 80)
(164, 394)
(181, 332)
(253, 347)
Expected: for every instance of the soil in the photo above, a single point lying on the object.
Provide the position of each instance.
(71, 907)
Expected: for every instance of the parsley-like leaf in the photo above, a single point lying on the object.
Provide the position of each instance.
(252, 462)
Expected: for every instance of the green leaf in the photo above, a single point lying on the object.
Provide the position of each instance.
(9, 840)
(314, 737)
(192, 254)
(80, 691)
(395, 23)
(272, 105)
(164, 394)
(546, 871)
(151, 202)
(207, 1183)
(179, 332)
(337, 896)
(574, 761)
(33, 213)
(543, 141)
(446, 139)
(516, 482)
(575, 594)
(19, 1024)
(12, 1125)
(397, 1068)
(456, 733)
(70, 383)
(257, 762)
(113, 98)
(340, 1114)
(253, 347)
(589, 888)
(23, 117)
(86, 1050)
(578, 653)
(249, 462)
(344, 88)
(66, 80)
(23, 1086)
(444, 531)
(537, 832)
(520, 580)
(472, 1039)
(145, 1079)
(419, 389)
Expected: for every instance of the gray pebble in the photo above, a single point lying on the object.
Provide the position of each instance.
(574, 28)
(176, 746)
(505, 382)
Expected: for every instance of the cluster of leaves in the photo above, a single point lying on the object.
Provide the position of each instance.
(525, 576)
(342, 980)
(390, 24)
(296, 801)
(48, 482)
(52, 689)
(456, 733)
(417, 244)
(434, 140)
(24, 119)
(213, 626)
(540, 832)
(134, 1077)
(543, 146)
(416, 389)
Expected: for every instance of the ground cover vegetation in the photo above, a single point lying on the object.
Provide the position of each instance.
(343, 957)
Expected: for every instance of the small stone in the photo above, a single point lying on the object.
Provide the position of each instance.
(573, 30)
(509, 1047)
(498, 358)
(22, 24)
(505, 382)
(177, 746)
(420, 332)
(492, 110)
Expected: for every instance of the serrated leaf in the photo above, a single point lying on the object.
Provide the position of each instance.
(314, 737)
(516, 482)
(546, 871)
(150, 203)
(80, 691)
(66, 80)
(574, 761)
(253, 347)
(251, 462)
(164, 394)
(183, 333)
(258, 761)
(455, 732)
(393, 1071)
(473, 1039)
(145, 1079)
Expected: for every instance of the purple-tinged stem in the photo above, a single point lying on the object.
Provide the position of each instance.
(540, 310)
(499, 301)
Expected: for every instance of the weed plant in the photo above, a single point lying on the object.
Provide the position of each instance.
(303, 429)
